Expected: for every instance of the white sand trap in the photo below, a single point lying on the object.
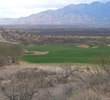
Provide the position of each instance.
(36, 52)
(87, 46)
(83, 46)
(39, 52)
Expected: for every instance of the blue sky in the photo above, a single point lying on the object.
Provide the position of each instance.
(22, 8)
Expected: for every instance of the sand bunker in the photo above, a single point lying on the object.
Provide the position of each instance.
(39, 53)
(36, 52)
(87, 46)
(83, 46)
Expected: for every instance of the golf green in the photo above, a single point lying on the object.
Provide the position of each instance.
(66, 53)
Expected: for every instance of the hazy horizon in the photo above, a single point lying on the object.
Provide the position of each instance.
(16, 8)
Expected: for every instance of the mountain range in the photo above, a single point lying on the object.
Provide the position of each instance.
(96, 13)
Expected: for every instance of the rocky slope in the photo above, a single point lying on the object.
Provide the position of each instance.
(16, 36)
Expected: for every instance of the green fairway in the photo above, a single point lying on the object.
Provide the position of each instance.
(66, 54)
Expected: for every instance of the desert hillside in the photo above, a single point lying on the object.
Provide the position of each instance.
(16, 36)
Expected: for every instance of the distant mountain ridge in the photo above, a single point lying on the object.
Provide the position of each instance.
(94, 13)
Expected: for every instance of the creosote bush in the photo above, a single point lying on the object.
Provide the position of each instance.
(10, 54)
(79, 83)
(98, 78)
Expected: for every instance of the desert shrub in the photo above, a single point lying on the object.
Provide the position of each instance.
(9, 54)
(85, 95)
(67, 74)
(25, 84)
(98, 78)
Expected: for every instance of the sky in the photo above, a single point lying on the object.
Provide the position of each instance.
(23, 8)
